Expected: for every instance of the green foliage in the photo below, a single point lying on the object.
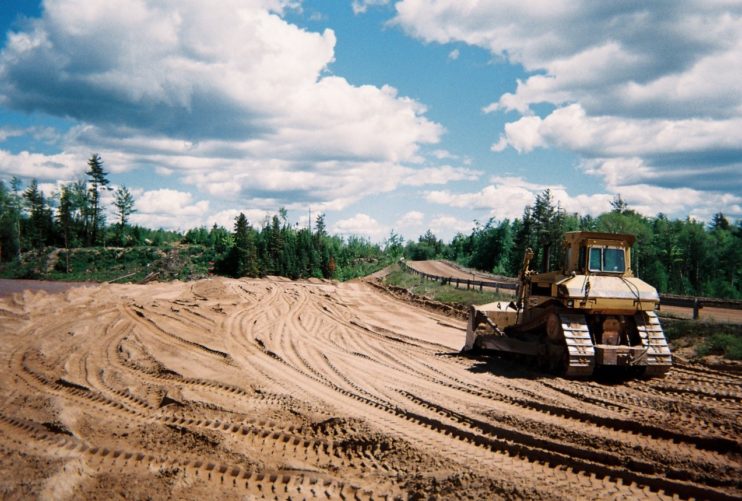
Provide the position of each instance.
(707, 338)
(98, 180)
(428, 246)
(676, 256)
(123, 201)
(680, 256)
(727, 345)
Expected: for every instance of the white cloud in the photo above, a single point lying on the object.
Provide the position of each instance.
(226, 218)
(360, 225)
(454, 54)
(410, 224)
(651, 87)
(506, 198)
(228, 96)
(361, 6)
(411, 219)
(439, 175)
(41, 166)
(625, 151)
(570, 127)
(590, 52)
(8, 132)
(446, 227)
(443, 155)
(169, 209)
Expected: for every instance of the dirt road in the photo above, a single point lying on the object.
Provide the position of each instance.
(270, 388)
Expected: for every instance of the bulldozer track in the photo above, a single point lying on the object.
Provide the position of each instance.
(279, 389)
(273, 484)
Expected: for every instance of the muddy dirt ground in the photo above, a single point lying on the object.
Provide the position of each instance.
(268, 388)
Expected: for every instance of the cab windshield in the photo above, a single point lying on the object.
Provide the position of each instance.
(607, 259)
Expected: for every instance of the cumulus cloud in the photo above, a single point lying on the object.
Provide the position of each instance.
(644, 93)
(169, 209)
(591, 52)
(446, 227)
(230, 96)
(411, 219)
(360, 225)
(626, 150)
(361, 6)
(506, 197)
(48, 167)
(226, 218)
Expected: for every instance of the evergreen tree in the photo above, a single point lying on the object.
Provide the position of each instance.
(98, 180)
(65, 221)
(320, 230)
(16, 204)
(618, 204)
(6, 225)
(719, 222)
(244, 254)
(124, 204)
(39, 224)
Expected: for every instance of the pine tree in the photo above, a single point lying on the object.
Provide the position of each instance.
(98, 180)
(618, 204)
(65, 221)
(38, 225)
(124, 204)
(244, 254)
(15, 186)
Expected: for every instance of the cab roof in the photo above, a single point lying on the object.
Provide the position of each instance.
(576, 236)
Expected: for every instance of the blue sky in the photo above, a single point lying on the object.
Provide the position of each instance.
(386, 115)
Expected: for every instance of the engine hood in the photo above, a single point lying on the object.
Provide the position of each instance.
(609, 287)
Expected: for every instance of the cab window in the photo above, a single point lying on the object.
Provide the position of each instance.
(613, 260)
(596, 256)
(607, 259)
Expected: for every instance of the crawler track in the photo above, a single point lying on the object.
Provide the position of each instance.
(278, 389)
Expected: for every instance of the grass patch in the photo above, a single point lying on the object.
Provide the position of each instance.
(447, 294)
(727, 345)
(704, 338)
(99, 264)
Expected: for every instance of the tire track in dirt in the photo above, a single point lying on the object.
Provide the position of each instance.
(272, 388)
(276, 485)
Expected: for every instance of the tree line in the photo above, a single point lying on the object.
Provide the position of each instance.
(676, 256)
(282, 249)
(72, 217)
(684, 257)
(75, 217)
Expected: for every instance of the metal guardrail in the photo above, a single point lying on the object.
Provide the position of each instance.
(457, 282)
(696, 303)
(689, 302)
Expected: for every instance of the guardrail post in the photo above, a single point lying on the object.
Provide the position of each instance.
(480, 286)
(696, 306)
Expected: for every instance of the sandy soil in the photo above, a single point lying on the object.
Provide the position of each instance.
(239, 389)
(8, 287)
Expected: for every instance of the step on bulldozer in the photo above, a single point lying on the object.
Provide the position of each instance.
(591, 313)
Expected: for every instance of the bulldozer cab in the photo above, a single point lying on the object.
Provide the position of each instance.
(592, 253)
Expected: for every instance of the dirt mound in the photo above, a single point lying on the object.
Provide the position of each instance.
(277, 389)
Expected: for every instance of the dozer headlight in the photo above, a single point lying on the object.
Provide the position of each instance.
(570, 303)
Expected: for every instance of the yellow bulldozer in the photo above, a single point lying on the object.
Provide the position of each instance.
(591, 313)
